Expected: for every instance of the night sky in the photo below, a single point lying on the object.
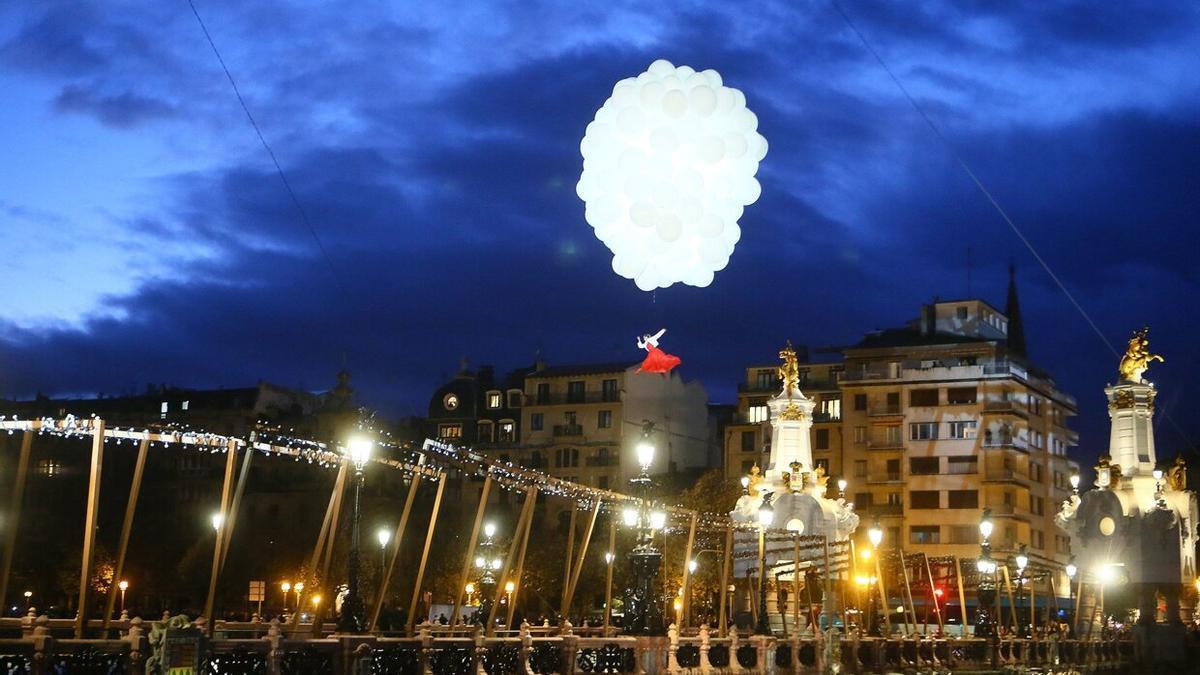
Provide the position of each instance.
(435, 148)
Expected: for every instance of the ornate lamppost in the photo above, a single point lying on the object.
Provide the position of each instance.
(1022, 559)
(351, 619)
(875, 535)
(985, 624)
(488, 561)
(643, 606)
(766, 514)
(1071, 571)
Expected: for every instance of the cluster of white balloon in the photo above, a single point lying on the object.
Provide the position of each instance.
(668, 165)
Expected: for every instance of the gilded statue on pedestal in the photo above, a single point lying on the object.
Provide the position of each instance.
(789, 372)
(1137, 357)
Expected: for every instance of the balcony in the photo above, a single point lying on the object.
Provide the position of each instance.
(572, 399)
(962, 468)
(884, 477)
(885, 444)
(1004, 474)
(568, 430)
(826, 417)
(1007, 407)
(886, 509)
(776, 386)
(885, 410)
(1005, 442)
(942, 370)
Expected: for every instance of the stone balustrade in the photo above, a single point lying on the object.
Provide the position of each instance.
(268, 649)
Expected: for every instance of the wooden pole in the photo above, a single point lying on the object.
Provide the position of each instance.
(466, 569)
(135, 489)
(433, 516)
(912, 608)
(232, 516)
(89, 527)
(937, 606)
(395, 552)
(611, 560)
(314, 560)
(887, 613)
(566, 583)
(14, 512)
(725, 568)
(686, 605)
(512, 603)
(326, 557)
(518, 532)
(1012, 605)
(583, 548)
(962, 596)
(222, 527)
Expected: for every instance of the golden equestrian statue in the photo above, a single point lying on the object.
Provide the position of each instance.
(789, 372)
(1137, 357)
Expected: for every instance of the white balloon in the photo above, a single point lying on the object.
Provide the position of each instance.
(668, 164)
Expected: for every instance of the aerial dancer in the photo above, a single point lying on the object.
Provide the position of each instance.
(656, 361)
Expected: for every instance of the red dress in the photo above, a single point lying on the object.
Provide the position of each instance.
(658, 361)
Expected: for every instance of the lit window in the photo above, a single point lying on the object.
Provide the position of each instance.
(493, 400)
(963, 429)
(48, 467)
(757, 414)
(162, 410)
(923, 431)
(508, 432)
(450, 431)
(185, 405)
(860, 435)
(604, 419)
(832, 407)
(536, 421)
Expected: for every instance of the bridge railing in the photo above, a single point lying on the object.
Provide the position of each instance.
(436, 650)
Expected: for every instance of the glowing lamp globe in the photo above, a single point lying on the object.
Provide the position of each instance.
(489, 530)
(692, 565)
(509, 587)
(645, 455)
(766, 514)
(1072, 570)
(1074, 481)
(218, 519)
(629, 516)
(795, 525)
(658, 519)
(497, 563)
(875, 534)
(1022, 561)
(383, 536)
(124, 585)
(359, 449)
(668, 167)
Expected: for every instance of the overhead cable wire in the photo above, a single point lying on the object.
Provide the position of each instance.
(271, 153)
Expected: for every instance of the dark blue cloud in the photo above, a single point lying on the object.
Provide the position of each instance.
(435, 155)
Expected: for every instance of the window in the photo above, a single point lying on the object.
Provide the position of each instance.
(831, 408)
(185, 405)
(822, 439)
(1039, 539)
(923, 431)
(1035, 405)
(484, 432)
(449, 431)
(536, 461)
(1035, 472)
(891, 434)
(537, 421)
(860, 468)
(747, 441)
(802, 376)
(962, 499)
(1036, 439)
(963, 429)
(836, 374)
(1062, 544)
(162, 410)
(566, 457)
(48, 467)
(924, 499)
(449, 402)
(893, 400)
(543, 393)
(860, 401)
(862, 500)
(608, 390)
(960, 395)
(923, 397)
(1037, 505)
(924, 466)
(894, 499)
(575, 391)
(604, 419)
(493, 400)
(860, 435)
(507, 432)
(602, 483)
(964, 534)
(765, 379)
(962, 464)
(757, 414)
(925, 534)
(514, 398)
(961, 313)
(893, 469)
(570, 418)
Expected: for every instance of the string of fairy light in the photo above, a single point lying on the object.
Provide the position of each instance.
(432, 460)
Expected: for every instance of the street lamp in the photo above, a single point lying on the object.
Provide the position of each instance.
(358, 451)
(509, 587)
(29, 600)
(286, 587)
(487, 563)
(745, 485)
(124, 586)
(692, 565)
(766, 514)
(875, 536)
(1071, 570)
(1022, 559)
(218, 519)
(643, 608)
(470, 589)
(986, 588)
(842, 483)
(1075, 483)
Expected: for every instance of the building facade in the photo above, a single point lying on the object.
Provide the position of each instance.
(930, 424)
